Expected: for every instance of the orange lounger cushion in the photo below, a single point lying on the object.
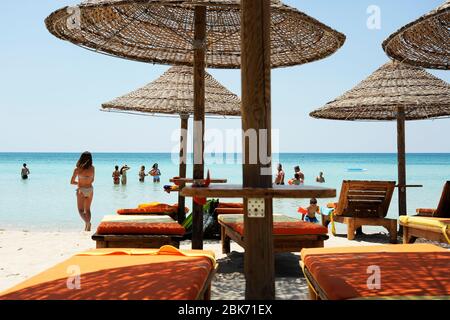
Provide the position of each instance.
(151, 208)
(111, 274)
(282, 225)
(405, 270)
(155, 225)
(230, 205)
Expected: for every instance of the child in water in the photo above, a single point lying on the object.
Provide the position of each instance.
(142, 174)
(312, 210)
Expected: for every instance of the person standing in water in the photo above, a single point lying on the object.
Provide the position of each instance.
(298, 171)
(155, 173)
(279, 179)
(25, 172)
(116, 175)
(320, 178)
(83, 177)
(142, 174)
(123, 173)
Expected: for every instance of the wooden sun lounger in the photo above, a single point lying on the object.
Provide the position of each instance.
(123, 274)
(138, 232)
(290, 234)
(433, 229)
(364, 203)
(349, 273)
(443, 208)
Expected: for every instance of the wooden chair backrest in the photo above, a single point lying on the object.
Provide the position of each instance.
(365, 199)
(443, 209)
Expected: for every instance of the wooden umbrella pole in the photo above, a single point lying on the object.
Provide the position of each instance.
(199, 118)
(256, 115)
(182, 172)
(401, 151)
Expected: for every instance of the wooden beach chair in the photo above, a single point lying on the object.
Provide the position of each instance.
(430, 224)
(123, 274)
(364, 203)
(443, 208)
(290, 234)
(412, 271)
(139, 231)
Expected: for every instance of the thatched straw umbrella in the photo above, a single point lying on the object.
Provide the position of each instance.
(197, 33)
(398, 92)
(424, 42)
(172, 94)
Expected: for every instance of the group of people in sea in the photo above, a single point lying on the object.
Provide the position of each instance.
(310, 212)
(298, 179)
(120, 175)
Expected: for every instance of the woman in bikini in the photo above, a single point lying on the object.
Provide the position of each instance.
(83, 177)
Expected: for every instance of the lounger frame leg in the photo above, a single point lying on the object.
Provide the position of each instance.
(226, 241)
(351, 229)
(393, 231)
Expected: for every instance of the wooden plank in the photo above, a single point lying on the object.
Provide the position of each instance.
(190, 180)
(199, 118)
(256, 116)
(239, 191)
(181, 215)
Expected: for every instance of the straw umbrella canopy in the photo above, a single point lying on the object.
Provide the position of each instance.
(172, 94)
(396, 91)
(424, 42)
(198, 33)
(162, 31)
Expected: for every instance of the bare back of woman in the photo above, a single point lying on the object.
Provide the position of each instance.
(83, 177)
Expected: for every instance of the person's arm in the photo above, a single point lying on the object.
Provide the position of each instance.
(93, 174)
(74, 176)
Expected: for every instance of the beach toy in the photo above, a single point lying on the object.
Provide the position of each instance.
(170, 188)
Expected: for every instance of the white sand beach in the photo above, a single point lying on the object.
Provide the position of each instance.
(26, 253)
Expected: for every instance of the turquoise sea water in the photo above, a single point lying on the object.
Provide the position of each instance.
(47, 201)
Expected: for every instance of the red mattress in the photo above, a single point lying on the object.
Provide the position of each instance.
(282, 225)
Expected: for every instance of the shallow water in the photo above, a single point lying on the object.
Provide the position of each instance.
(47, 201)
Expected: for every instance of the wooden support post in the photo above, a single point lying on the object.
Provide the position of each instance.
(256, 115)
(401, 154)
(182, 172)
(199, 117)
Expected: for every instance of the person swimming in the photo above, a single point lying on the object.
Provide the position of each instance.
(116, 175)
(25, 172)
(83, 177)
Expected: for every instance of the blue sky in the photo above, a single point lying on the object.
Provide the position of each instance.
(51, 90)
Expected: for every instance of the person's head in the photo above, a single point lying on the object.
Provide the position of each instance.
(155, 166)
(85, 161)
(116, 167)
(297, 169)
(142, 168)
(321, 173)
(313, 201)
(280, 167)
(296, 176)
(24, 165)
